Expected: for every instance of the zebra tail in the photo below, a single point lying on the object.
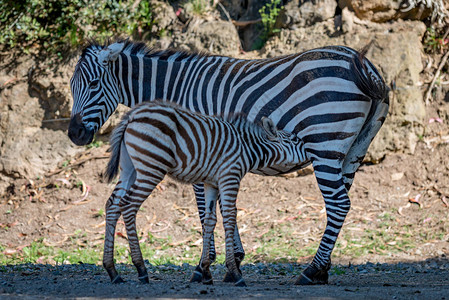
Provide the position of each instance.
(371, 84)
(116, 140)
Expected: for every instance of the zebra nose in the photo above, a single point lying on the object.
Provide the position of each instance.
(78, 133)
(81, 131)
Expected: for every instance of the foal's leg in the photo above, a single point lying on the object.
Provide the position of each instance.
(210, 220)
(238, 248)
(229, 187)
(127, 178)
(144, 184)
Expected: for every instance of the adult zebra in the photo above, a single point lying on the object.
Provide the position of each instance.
(333, 98)
(159, 138)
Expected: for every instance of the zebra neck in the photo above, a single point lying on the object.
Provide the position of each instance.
(142, 78)
(257, 149)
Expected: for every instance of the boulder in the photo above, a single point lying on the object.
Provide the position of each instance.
(396, 52)
(387, 10)
(164, 16)
(305, 13)
(213, 36)
(32, 112)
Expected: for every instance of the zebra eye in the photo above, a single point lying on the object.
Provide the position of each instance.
(94, 84)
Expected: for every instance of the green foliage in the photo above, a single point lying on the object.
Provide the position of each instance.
(55, 25)
(95, 144)
(434, 41)
(269, 13)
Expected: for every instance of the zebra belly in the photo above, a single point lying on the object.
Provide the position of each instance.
(280, 169)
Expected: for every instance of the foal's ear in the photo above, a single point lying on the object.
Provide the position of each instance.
(110, 53)
(270, 128)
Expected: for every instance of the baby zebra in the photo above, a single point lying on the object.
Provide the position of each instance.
(158, 138)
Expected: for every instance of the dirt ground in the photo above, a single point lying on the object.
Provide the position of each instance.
(394, 244)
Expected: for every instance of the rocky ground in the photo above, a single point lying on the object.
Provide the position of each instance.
(421, 280)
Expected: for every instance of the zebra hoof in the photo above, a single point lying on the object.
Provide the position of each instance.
(312, 276)
(196, 277)
(117, 280)
(144, 279)
(228, 277)
(241, 283)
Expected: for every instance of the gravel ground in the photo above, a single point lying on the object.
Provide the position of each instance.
(420, 280)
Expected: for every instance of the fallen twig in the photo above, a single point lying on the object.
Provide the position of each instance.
(437, 73)
(77, 163)
(245, 23)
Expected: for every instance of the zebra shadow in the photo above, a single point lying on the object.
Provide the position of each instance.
(426, 278)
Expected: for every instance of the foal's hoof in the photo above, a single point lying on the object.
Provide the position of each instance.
(197, 276)
(312, 275)
(117, 280)
(241, 283)
(228, 277)
(144, 279)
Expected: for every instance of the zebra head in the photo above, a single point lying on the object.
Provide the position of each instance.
(95, 91)
(291, 148)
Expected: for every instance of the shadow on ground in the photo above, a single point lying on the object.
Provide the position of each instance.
(402, 280)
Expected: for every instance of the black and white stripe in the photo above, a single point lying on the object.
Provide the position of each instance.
(332, 98)
(159, 138)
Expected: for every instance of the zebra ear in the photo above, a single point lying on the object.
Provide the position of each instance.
(111, 53)
(270, 128)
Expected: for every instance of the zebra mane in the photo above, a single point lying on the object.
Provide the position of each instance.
(240, 121)
(139, 47)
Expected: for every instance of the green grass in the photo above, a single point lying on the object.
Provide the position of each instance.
(278, 245)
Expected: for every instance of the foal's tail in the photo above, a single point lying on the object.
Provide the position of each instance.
(116, 141)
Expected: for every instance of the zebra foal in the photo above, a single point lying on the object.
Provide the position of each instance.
(157, 138)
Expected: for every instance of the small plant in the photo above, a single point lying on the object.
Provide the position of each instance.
(269, 13)
(435, 42)
(95, 144)
(197, 7)
(100, 213)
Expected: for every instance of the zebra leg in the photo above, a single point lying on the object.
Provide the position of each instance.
(112, 215)
(228, 193)
(210, 221)
(129, 206)
(127, 177)
(239, 252)
(337, 202)
(198, 189)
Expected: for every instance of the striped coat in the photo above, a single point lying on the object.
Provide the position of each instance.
(332, 98)
(159, 138)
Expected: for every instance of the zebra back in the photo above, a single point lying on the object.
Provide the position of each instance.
(256, 146)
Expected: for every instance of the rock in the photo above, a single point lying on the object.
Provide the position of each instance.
(29, 145)
(347, 20)
(396, 52)
(387, 10)
(214, 36)
(309, 12)
(164, 16)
